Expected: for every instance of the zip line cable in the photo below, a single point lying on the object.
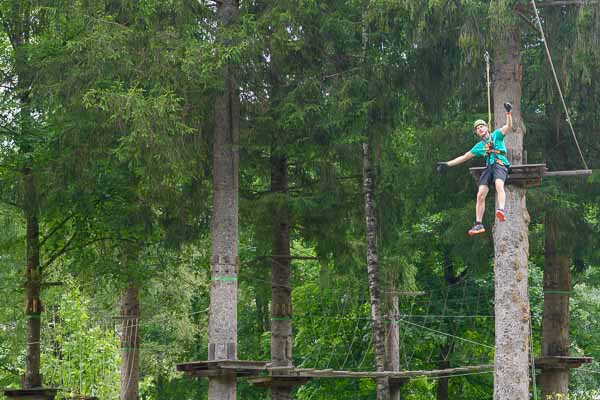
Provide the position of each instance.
(539, 21)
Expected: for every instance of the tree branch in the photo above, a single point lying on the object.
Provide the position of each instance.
(59, 252)
(528, 21)
(54, 229)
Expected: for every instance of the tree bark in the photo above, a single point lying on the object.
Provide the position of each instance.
(555, 325)
(33, 283)
(17, 28)
(224, 224)
(130, 343)
(373, 273)
(511, 242)
(446, 349)
(281, 285)
(443, 383)
(392, 340)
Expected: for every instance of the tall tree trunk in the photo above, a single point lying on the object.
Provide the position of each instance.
(281, 285)
(444, 363)
(511, 242)
(130, 343)
(222, 324)
(373, 273)
(17, 28)
(33, 283)
(555, 325)
(392, 339)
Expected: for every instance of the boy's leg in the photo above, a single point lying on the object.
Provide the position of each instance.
(500, 194)
(500, 175)
(480, 206)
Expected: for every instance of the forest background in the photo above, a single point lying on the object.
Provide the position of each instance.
(108, 116)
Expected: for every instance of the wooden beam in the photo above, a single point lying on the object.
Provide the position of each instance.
(579, 172)
(329, 373)
(270, 381)
(31, 394)
(561, 361)
(291, 257)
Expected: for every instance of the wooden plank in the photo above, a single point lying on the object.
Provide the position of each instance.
(561, 362)
(269, 381)
(81, 398)
(328, 373)
(579, 172)
(31, 394)
(223, 364)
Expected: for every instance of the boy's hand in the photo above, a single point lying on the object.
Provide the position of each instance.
(442, 167)
(508, 106)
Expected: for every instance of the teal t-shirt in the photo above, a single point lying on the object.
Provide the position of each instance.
(494, 141)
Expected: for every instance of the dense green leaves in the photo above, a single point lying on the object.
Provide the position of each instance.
(111, 105)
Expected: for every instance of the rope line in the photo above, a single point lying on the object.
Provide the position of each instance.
(539, 21)
(448, 334)
(489, 83)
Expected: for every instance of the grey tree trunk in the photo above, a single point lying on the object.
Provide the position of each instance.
(130, 344)
(392, 340)
(33, 284)
(281, 285)
(511, 242)
(373, 273)
(222, 324)
(555, 325)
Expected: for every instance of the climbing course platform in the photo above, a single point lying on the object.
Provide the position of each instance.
(530, 175)
(31, 394)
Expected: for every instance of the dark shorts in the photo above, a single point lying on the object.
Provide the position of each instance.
(493, 172)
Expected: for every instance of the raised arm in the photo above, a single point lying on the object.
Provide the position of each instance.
(509, 122)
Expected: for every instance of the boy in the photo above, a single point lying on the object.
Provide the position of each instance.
(492, 148)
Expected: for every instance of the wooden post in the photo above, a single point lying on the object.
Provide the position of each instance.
(373, 273)
(392, 339)
(130, 343)
(281, 285)
(33, 283)
(555, 325)
(222, 323)
(511, 241)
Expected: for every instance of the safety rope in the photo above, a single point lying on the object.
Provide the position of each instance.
(539, 21)
(489, 84)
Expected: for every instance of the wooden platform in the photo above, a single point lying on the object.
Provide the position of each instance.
(526, 175)
(199, 369)
(31, 394)
(530, 175)
(270, 381)
(561, 362)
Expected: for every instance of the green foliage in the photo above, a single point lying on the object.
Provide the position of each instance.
(118, 131)
(81, 352)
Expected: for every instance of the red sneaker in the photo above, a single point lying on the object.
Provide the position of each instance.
(476, 229)
(500, 215)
